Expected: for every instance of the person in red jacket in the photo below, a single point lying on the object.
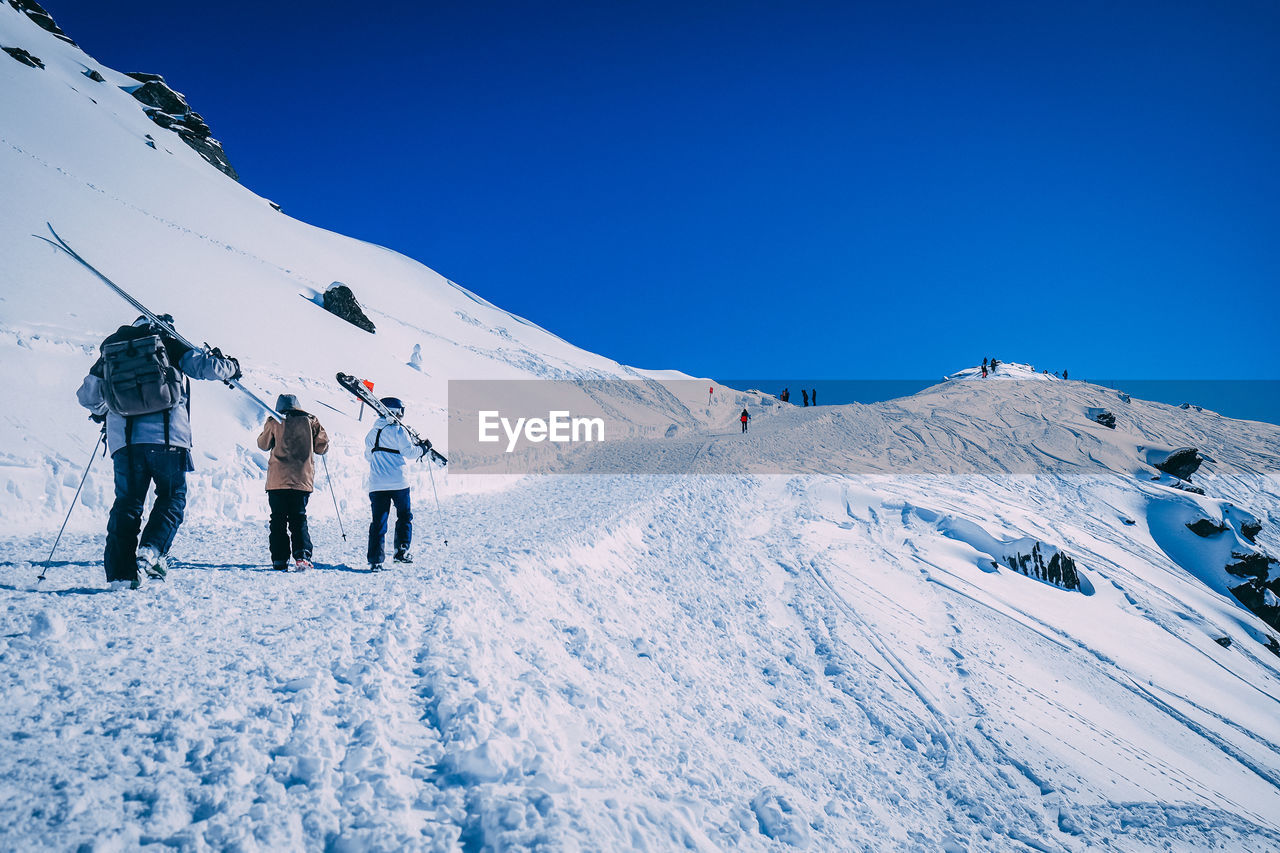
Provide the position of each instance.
(744, 417)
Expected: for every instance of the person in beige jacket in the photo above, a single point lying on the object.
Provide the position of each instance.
(291, 479)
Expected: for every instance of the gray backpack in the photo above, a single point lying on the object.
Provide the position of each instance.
(139, 380)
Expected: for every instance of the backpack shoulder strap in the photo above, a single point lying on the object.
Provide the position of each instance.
(377, 444)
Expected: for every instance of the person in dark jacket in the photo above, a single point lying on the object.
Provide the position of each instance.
(805, 395)
(149, 448)
(293, 444)
(744, 417)
(813, 396)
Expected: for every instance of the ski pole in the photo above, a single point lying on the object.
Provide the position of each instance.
(102, 436)
(329, 482)
(439, 527)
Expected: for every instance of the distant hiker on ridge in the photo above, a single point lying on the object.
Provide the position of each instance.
(140, 387)
(291, 480)
(805, 394)
(813, 396)
(386, 448)
(744, 417)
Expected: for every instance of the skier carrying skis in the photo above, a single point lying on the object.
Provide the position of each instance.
(744, 417)
(291, 480)
(387, 448)
(140, 387)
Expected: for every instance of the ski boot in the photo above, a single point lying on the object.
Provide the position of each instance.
(301, 564)
(280, 565)
(376, 567)
(403, 556)
(152, 563)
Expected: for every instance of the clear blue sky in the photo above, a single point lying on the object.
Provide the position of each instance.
(845, 189)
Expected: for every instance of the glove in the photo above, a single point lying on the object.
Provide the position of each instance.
(216, 352)
(424, 447)
(98, 419)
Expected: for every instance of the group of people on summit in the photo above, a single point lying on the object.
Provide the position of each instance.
(785, 396)
(995, 363)
(139, 389)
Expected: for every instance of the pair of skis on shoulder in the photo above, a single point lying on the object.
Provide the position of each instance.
(362, 392)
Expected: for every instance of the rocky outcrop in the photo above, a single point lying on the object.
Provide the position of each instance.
(1060, 570)
(1250, 530)
(94, 75)
(1260, 599)
(340, 301)
(23, 57)
(1206, 527)
(170, 110)
(1181, 463)
(1102, 416)
(1255, 565)
(43, 19)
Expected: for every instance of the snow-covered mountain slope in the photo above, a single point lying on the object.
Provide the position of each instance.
(972, 619)
(710, 661)
(186, 239)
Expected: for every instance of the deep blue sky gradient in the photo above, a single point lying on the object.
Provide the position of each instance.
(856, 190)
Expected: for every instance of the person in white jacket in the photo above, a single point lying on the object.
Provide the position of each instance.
(388, 448)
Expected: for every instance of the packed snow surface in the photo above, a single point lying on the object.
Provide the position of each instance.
(809, 636)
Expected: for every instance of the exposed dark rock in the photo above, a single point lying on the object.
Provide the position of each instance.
(1128, 521)
(1187, 487)
(1181, 463)
(1225, 642)
(1250, 530)
(1206, 527)
(1274, 645)
(1253, 595)
(1059, 571)
(23, 57)
(339, 300)
(170, 110)
(1256, 565)
(1102, 416)
(1190, 406)
(275, 207)
(1123, 396)
(43, 19)
(93, 75)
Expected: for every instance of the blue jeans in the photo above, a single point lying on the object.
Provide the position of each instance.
(381, 503)
(136, 468)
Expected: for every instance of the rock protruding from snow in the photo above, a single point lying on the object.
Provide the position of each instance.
(1206, 527)
(1102, 416)
(24, 57)
(1180, 463)
(43, 19)
(341, 302)
(170, 110)
(1059, 569)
